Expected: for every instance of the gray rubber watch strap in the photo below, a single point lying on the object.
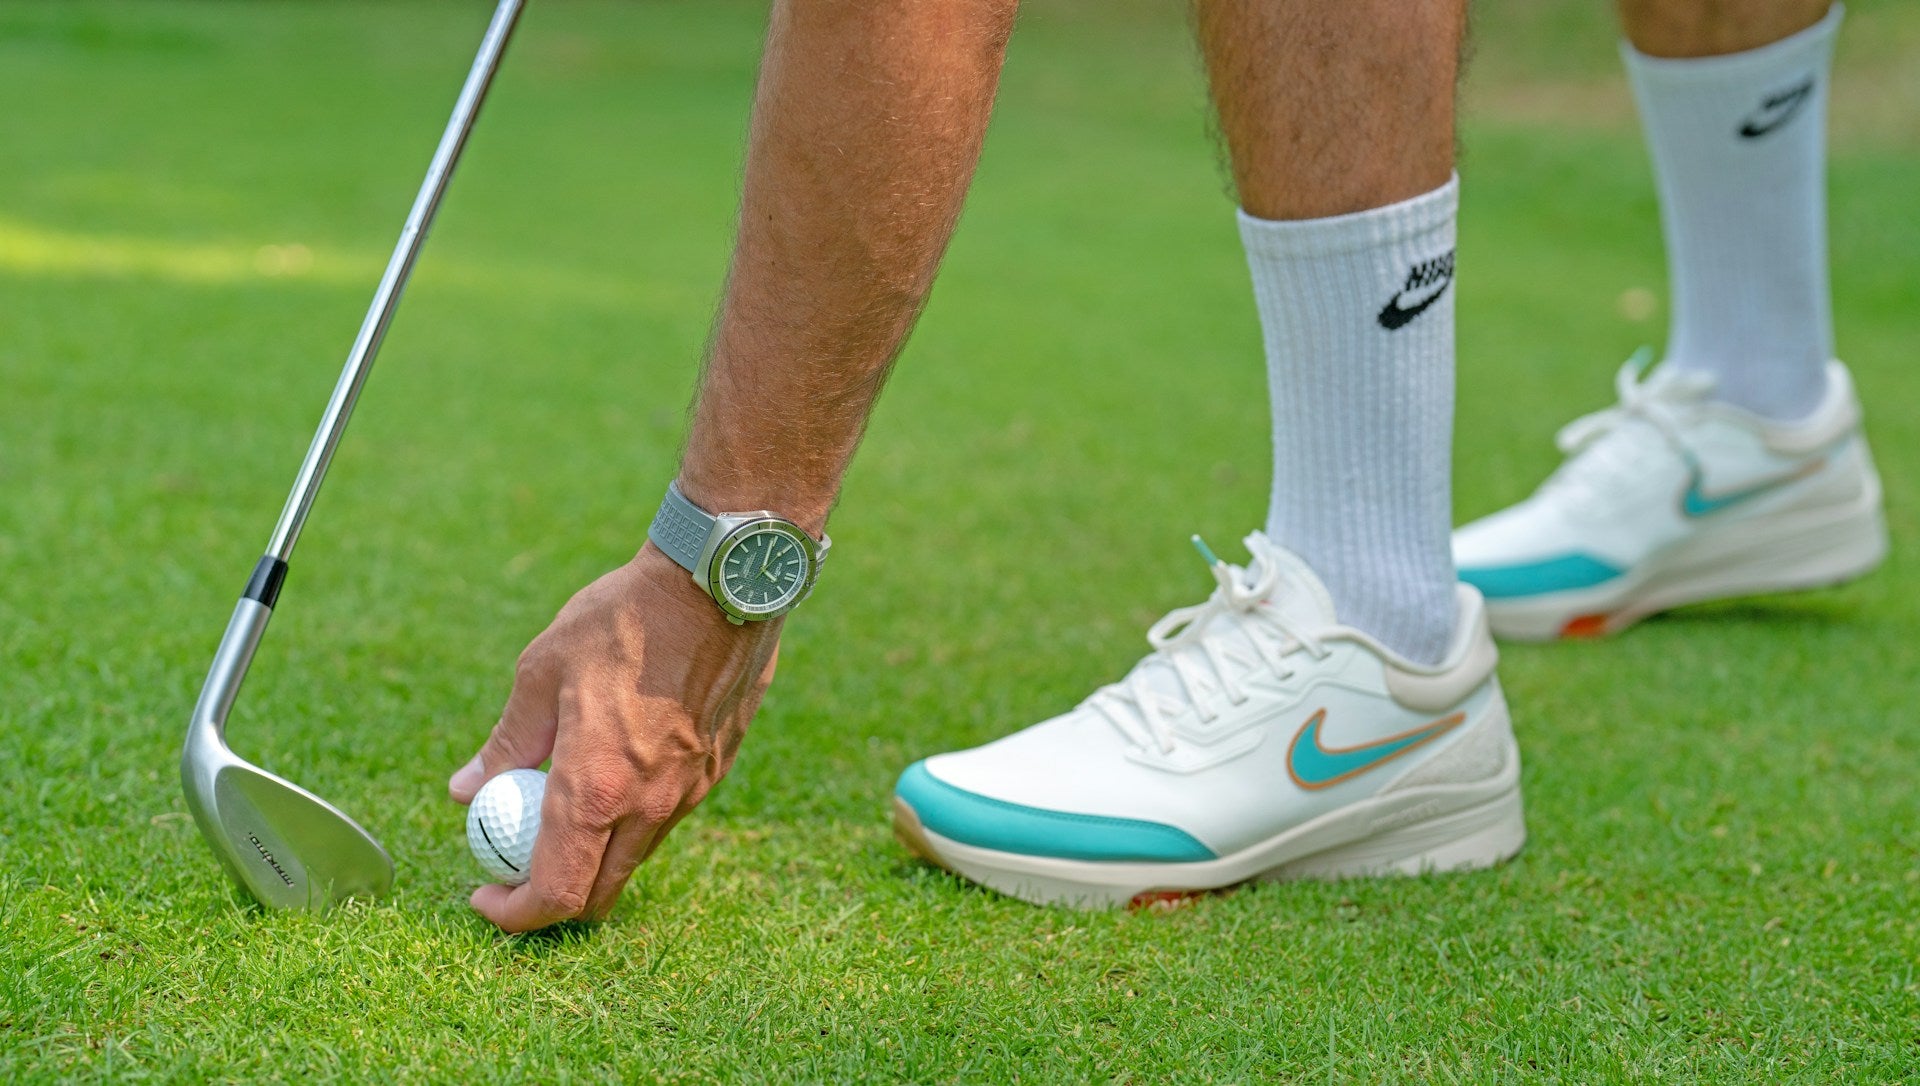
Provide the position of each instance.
(680, 528)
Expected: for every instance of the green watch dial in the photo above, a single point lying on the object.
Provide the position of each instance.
(763, 569)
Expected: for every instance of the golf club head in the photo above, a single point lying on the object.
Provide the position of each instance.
(287, 847)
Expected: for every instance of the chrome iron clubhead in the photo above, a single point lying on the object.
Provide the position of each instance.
(286, 846)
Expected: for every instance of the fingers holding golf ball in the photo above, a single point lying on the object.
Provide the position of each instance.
(503, 822)
(639, 693)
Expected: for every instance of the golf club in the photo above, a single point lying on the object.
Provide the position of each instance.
(286, 846)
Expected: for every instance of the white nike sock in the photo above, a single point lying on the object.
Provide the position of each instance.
(1357, 312)
(1739, 149)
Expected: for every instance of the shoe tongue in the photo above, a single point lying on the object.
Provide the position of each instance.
(1298, 596)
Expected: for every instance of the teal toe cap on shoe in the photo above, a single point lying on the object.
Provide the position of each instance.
(963, 816)
(1539, 578)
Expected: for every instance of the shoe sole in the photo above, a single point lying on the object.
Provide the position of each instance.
(1787, 551)
(1480, 825)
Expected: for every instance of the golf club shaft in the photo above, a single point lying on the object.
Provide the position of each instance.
(387, 298)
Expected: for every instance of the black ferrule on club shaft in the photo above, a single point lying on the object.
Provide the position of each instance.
(264, 586)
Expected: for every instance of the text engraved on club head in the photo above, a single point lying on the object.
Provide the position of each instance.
(271, 862)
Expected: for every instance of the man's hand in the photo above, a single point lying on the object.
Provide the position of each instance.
(641, 691)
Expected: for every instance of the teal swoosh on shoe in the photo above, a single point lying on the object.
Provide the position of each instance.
(1313, 765)
(1696, 502)
(1539, 578)
(984, 822)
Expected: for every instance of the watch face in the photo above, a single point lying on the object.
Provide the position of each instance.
(762, 568)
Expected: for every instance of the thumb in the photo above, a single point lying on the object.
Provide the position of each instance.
(522, 740)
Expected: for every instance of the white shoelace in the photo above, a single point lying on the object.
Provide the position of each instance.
(1662, 401)
(1208, 651)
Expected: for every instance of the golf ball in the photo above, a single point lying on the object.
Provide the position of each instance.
(503, 821)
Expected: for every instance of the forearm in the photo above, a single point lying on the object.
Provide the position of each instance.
(867, 125)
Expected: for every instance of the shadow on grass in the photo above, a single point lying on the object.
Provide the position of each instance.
(920, 873)
(538, 944)
(1762, 611)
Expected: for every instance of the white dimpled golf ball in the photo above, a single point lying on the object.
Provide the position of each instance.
(503, 821)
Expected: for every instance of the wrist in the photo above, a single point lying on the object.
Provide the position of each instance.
(658, 566)
(756, 564)
(693, 608)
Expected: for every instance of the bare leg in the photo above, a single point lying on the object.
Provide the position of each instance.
(1333, 106)
(1706, 28)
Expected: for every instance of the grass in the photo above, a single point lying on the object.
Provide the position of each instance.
(1724, 867)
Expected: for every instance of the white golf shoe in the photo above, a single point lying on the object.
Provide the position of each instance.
(1669, 498)
(1259, 740)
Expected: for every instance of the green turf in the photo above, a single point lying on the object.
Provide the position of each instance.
(195, 199)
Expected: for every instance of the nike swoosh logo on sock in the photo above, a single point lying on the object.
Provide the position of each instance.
(1430, 276)
(1777, 110)
(1314, 766)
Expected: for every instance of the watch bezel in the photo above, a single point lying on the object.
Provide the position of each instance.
(729, 542)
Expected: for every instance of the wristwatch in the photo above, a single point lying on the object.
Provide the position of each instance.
(755, 565)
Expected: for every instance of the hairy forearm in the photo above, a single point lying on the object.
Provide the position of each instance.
(867, 125)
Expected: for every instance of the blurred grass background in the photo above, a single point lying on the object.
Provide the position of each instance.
(197, 200)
